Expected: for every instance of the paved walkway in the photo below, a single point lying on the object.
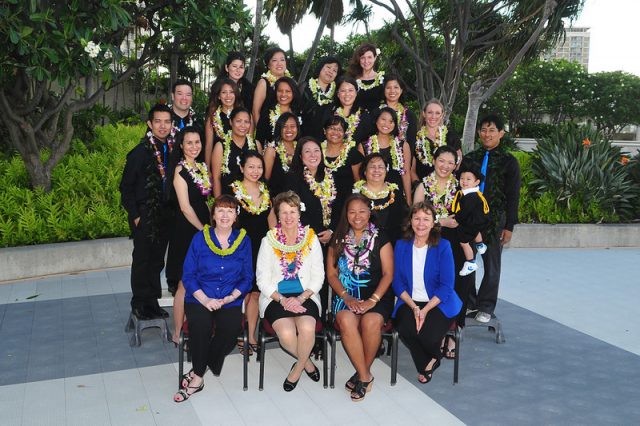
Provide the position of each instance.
(572, 356)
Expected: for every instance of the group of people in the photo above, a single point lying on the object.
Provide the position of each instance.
(330, 202)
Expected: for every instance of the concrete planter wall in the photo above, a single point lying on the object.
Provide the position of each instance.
(46, 259)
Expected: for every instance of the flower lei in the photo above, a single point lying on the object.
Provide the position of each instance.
(245, 200)
(342, 157)
(389, 191)
(216, 122)
(274, 114)
(376, 82)
(357, 255)
(397, 156)
(227, 140)
(353, 120)
(200, 176)
(285, 159)
(424, 147)
(222, 252)
(325, 191)
(403, 122)
(187, 121)
(321, 97)
(158, 155)
(272, 78)
(442, 201)
(288, 254)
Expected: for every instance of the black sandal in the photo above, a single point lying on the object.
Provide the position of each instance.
(446, 352)
(351, 383)
(186, 379)
(241, 349)
(360, 390)
(185, 394)
(428, 374)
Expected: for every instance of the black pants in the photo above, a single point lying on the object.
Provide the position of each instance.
(463, 285)
(207, 348)
(486, 297)
(147, 264)
(425, 344)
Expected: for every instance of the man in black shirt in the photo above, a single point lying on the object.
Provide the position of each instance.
(182, 114)
(501, 188)
(142, 190)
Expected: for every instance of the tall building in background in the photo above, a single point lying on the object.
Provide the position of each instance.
(573, 47)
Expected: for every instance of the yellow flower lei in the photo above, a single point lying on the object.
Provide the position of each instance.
(227, 140)
(216, 122)
(342, 157)
(397, 156)
(290, 252)
(285, 159)
(325, 191)
(359, 187)
(322, 98)
(272, 78)
(376, 82)
(423, 146)
(240, 192)
(274, 114)
(352, 121)
(222, 252)
(441, 200)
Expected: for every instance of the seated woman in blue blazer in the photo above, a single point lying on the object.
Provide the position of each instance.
(423, 281)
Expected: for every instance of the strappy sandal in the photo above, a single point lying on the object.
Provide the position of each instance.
(185, 394)
(449, 353)
(186, 379)
(428, 374)
(360, 390)
(254, 347)
(241, 349)
(351, 383)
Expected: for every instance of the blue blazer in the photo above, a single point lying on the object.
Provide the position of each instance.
(439, 275)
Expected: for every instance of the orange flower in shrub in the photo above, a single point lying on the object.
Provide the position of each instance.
(624, 160)
(586, 142)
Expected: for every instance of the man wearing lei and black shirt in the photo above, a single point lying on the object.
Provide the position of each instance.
(142, 192)
(502, 191)
(182, 115)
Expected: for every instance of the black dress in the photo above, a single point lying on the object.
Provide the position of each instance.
(233, 164)
(393, 174)
(256, 226)
(390, 215)
(312, 215)
(183, 231)
(314, 115)
(370, 99)
(269, 99)
(218, 133)
(277, 181)
(265, 129)
(343, 180)
(246, 92)
(424, 159)
(359, 132)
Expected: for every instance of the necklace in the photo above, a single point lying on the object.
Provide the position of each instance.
(241, 194)
(321, 97)
(342, 157)
(288, 254)
(216, 122)
(285, 158)
(325, 191)
(376, 82)
(397, 156)
(158, 155)
(424, 146)
(199, 174)
(403, 121)
(274, 114)
(227, 140)
(186, 121)
(357, 255)
(222, 252)
(353, 120)
(441, 200)
(389, 191)
(272, 78)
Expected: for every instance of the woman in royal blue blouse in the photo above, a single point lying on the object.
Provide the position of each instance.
(217, 274)
(423, 281)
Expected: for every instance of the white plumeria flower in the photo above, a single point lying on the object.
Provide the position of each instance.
(92, 49)
(302, 207)
(377, 51)
(235, 27)
(107, 54)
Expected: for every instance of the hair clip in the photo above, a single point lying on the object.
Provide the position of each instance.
(302, 207)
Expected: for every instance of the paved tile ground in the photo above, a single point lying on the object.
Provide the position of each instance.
(572, 356)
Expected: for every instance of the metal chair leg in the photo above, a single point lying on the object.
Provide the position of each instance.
(394, 357)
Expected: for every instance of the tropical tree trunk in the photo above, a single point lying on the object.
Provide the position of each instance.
(316, 41)
(470, 120)
(256, 40)
(291, 64)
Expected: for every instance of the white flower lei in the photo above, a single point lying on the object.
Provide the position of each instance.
(403, 122)
(199, 174)
(423, 145)
(342, 157)
(216, 121)
(376, 82)
(322, 98)
(227, 140)
(281, 150)
(272, 78)
(397, 156)
(241, 194)
(351, 250)
(353, 120)
(274, 114)
(441, 201)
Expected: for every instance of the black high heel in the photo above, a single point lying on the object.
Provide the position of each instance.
(288, 386)
(428, 374)
(360, 390)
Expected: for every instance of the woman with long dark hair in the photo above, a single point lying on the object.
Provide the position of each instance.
(279, 153)
(318, 94)
(264, 97)
(287, 100)
(223, 99)
(234, 68)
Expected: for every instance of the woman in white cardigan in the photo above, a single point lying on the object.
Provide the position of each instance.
(290, 273)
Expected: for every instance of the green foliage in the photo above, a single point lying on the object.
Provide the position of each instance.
(581, 172)
(614, 103)
(84, 202)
